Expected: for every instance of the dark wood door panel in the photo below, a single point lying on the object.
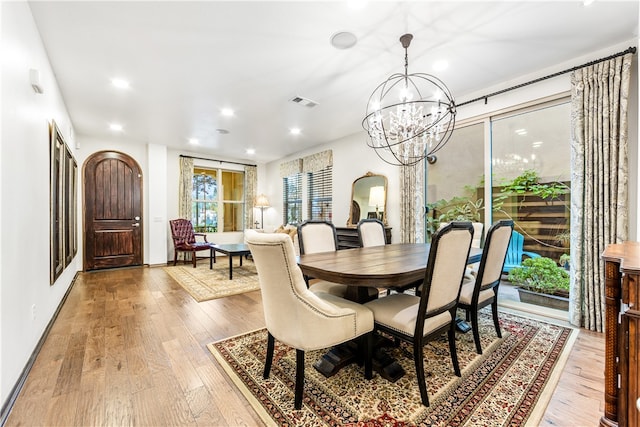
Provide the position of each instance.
(113, 211)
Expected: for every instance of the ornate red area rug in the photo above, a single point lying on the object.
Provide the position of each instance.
(509, 385)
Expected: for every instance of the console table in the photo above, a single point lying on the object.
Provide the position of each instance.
(622, 329)
(348, 237)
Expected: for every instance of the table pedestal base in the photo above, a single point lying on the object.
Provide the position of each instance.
(344, 354)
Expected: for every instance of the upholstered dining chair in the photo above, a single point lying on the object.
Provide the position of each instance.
(316, 236)
(480, 291)
(297, 317)
(371, 233)
(420, 319)
(184, 239)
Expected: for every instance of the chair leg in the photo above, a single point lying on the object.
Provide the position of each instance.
(175, 257)
(269, 358)
(494, 310)
(452, 349)
(368, 355)
(194, 258)
(474, 327)
(299, 379)
(419, 362)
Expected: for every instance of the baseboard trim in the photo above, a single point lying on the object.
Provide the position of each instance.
(17, 388)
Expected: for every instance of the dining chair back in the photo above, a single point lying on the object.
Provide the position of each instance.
(371, 233)
(184, 239)
(317, 236)
(297, 317)
(418, 320)
(480, 291)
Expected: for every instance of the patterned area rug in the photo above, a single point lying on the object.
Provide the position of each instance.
(509, 385)
(204, 284)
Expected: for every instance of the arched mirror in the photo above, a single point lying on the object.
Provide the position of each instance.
(368, 199)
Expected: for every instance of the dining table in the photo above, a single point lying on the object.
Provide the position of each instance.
(385, 266)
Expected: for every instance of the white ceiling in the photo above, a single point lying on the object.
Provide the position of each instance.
(188, 60)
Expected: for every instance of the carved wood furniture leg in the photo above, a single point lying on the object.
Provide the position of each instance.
(612, 304)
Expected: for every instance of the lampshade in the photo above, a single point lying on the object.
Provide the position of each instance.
(376, 196)
(261, 201)
(409, 116)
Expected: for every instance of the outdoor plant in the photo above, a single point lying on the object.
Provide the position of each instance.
(458, 208)
(541, 275)
(529, 183)
(564, 261)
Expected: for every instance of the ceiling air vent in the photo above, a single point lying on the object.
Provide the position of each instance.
(304, 101)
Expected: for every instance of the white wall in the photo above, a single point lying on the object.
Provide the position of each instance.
(24, 184)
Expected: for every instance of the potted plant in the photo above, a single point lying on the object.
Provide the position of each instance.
(564, 261)
(541, 281)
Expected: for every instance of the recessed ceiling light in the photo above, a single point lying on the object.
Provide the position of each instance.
(193, 141)
(521, 131)
(251, 151)
(116, 127)
(440, 65)
(120, 83)
(343, 40)
(227, 112)
(294, 131)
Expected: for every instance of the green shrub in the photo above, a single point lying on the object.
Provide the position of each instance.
(541, 275)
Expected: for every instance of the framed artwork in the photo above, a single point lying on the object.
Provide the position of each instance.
(63, 203)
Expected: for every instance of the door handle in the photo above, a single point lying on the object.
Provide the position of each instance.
(137, 224)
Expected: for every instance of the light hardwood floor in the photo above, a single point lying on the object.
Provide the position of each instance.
(129, 348)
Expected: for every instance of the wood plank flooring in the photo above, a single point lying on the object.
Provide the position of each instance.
(129, 348)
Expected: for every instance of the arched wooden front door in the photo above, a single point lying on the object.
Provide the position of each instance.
(112, 211)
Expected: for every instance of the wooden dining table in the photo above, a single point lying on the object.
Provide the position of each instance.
(384, 266)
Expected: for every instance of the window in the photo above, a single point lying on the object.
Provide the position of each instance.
(218, 200)
(319, 190)
(292, 199)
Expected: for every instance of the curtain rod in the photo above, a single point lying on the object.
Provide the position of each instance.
(485, 97)
(217, 160)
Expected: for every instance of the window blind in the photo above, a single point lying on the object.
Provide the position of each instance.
(292, 199)
(320, 199)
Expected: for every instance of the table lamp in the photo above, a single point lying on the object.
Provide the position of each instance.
(376, 198)
(261, 202)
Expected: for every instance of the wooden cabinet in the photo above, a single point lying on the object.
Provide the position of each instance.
(348, 237)
(622, 329)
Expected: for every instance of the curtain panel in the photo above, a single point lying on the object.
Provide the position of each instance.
(412, 203)
(250, 185)
(599, 181)
(185, 188)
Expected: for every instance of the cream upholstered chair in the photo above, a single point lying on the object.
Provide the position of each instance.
(371, 233)
(479, 291)
(316, 236)
(418, 320)
(297, 317)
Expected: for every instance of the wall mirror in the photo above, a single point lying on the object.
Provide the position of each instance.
(368, 199)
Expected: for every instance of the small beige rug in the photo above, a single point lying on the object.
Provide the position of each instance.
(204, 284)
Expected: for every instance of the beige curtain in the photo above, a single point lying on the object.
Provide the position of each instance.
(412, 203)
(250, 185)
(185, 188)
(599, 178)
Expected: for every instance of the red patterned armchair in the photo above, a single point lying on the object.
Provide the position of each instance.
(184, 239)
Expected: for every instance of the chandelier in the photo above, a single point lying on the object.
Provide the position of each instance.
(409, 116)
